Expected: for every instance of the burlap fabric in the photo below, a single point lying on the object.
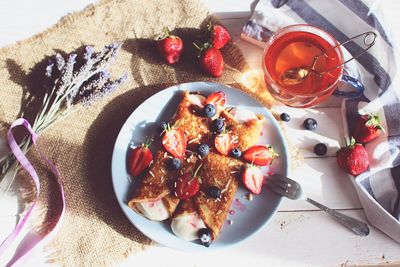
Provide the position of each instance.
(95, 232)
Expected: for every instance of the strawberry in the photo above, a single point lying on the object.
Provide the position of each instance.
(260, 155)
(218, 35)
(140, 159)
(252, 179)
(353, 158)
(224, 143)
(217, 99)
(187, 185)
(169, 46)
(174, 141)
(368, 127)
(210, 59)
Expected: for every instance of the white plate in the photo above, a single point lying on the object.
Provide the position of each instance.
(248, 217)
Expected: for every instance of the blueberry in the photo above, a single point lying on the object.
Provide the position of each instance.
(320, 149)
(310, 124)
(209, 110)
(204, 235)
(218, 125)
(214, 192)
(285, 117)
(203, 150)
(236, 153)
(162, 126)
(175, 164)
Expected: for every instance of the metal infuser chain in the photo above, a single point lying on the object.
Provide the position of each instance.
(297, 75)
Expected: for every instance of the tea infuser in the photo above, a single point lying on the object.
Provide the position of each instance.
(298, 75)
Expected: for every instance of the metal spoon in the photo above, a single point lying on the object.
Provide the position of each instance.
(297, 75)
(291, 189)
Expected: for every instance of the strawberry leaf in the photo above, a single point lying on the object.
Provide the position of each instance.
(374, 121)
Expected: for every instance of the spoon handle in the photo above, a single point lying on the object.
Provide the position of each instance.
(354, 225)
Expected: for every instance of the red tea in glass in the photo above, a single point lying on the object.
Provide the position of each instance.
(297, 46)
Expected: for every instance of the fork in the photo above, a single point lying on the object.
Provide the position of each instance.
(291, 189)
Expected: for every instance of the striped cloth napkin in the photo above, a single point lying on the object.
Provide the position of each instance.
(378, 188)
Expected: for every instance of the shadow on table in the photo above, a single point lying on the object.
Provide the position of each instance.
(31, 86)
(99, 143)
(34, 84)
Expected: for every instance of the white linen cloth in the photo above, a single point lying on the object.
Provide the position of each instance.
(378, 188)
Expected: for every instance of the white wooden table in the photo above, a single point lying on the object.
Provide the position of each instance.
(299, 234)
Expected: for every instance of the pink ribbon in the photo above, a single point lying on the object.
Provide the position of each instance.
(27, 245)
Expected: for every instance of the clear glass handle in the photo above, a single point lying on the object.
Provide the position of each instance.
(354, 83)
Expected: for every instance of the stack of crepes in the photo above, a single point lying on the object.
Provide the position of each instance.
(155, 197)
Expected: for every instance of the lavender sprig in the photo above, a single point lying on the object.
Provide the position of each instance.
(67, 73)
(49, 70)
(70, 81)
(60, 62)
(99, 92)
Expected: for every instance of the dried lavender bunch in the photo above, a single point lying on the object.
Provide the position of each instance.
(73, 81)
(70, 81)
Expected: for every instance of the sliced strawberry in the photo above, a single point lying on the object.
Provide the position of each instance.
(252, 179)
(174, 141)
(217, 99)
(140, 159)
(187, 185)
(224, 143)
(260, 155)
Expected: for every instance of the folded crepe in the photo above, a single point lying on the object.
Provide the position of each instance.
(189, 118)
(245, 125)
(203, 211)
(154, 198)
(223, 172)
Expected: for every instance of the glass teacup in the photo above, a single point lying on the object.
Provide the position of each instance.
(303, 66)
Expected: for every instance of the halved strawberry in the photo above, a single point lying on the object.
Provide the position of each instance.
(217, 99)
(140, 159)
(187, 185)
(252, 179)
(174, 141)
(260, 155)
(224, 143)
